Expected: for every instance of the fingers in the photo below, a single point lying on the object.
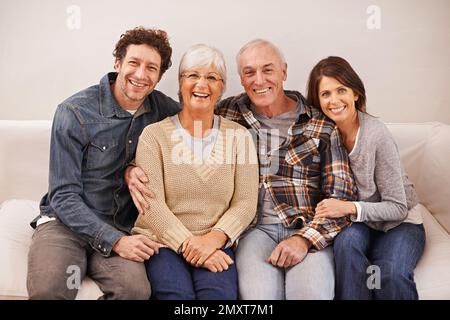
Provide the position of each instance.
(189, 254)
(151, 244)
(219, 261)
(137, 203)
(282, 259)
(289, 261)
(273, 259)
(228, 259)
(138, 198)
(184, 246)
(140, 174)
(138, 180)
(199, 262)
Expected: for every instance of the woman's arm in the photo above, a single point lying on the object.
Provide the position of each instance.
(389, 182)
(158, 218)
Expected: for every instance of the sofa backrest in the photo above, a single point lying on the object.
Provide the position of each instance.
(25, 149)
(424, 149)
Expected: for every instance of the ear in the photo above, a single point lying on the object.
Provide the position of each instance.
(117, 65)
(284, 70)
(356, 97)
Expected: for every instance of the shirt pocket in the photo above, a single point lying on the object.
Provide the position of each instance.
(102, 155)
(304, 154)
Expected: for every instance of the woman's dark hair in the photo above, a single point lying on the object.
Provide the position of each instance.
(154, 38)
(339, 69)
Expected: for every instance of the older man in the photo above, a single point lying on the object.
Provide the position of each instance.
(286, 255)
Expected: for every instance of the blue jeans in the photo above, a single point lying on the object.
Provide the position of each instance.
(395, 252)
(172, 278)
(311, 279)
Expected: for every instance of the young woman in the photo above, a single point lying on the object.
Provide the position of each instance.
(387, 234)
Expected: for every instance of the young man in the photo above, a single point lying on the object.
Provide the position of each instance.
(87, 213)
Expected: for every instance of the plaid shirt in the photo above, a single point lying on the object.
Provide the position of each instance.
(310, 166)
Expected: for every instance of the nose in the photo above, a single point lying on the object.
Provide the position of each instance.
(140, 72)
(259, 77)
(334, 98)
(202, 82)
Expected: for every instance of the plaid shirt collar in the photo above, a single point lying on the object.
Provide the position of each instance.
(306, 123)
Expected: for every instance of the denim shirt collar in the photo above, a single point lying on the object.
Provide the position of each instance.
(108, 104)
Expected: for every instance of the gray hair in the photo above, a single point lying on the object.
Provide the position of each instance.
(200, 56)
(258, 43)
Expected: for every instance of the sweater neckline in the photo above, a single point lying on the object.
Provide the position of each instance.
(204, 168)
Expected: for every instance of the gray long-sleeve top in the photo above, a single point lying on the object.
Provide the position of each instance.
(384, 192)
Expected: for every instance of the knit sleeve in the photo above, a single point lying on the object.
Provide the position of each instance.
(158, 218)
(388, 178)
(243, 204)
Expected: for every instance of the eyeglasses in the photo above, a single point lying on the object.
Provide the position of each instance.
(211, 78)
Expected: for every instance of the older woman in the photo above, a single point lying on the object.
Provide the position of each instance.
(203, 171)
(387, 237)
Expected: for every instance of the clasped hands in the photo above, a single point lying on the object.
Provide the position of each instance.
(204, 251)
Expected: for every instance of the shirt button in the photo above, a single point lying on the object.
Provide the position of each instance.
(130, 142)
(104, 148)
(100, 246)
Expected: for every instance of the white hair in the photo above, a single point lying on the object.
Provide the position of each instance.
(200, 56)
(258, 43)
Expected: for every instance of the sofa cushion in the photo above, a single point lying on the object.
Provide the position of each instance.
(431, 274)
(15, 239)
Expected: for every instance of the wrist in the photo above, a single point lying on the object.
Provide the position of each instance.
(304, 241)
(352, 210)
(219, 237)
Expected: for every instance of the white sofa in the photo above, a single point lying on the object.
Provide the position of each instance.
(24, 145)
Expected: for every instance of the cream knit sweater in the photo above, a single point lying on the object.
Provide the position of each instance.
(191, 197)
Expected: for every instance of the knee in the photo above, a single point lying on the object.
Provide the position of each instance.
(392, 274)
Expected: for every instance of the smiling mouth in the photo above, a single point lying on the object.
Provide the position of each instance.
(137, 84)
(337, 110)
(261, 91)
(200, 95)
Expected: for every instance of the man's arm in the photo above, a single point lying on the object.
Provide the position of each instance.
(65, 185)
(337, 182)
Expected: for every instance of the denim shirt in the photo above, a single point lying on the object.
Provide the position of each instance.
(93, 140)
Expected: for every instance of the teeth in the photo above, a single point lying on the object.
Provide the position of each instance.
(261, 91)
(337, 110)
(136, 84)
(201, 95)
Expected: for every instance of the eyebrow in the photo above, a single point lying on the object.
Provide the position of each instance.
(253, 68)
(337, 88)
(138, 59)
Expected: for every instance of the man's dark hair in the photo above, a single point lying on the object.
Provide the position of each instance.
(154, 38)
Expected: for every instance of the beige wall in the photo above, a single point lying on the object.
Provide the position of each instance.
(49, 52)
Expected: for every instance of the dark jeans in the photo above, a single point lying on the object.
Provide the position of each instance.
(395, 252)
(172, 278)
(56, 252)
